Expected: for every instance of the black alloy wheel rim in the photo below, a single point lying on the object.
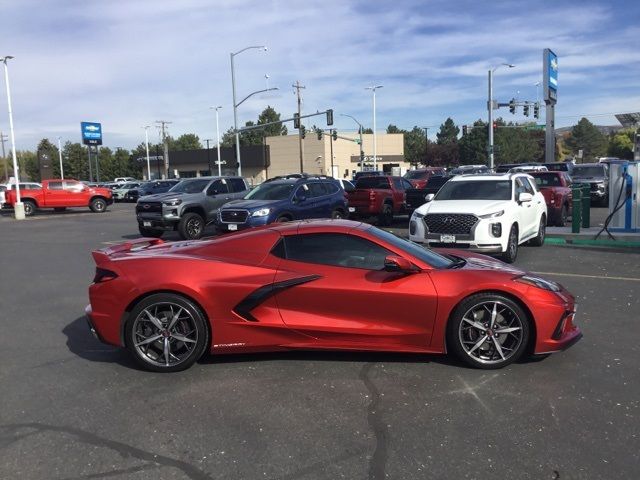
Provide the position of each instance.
(491, 332)
(28, 209)
(542, 231)
(194, 227)
(513, 243)
(99, 205)
(164, 334)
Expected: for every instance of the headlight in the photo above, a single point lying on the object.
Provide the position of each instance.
(492, 215)
(263, 212)
(539, 283)
(172, 203)
(417, 215)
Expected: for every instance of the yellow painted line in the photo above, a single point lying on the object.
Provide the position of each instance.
(599, 277)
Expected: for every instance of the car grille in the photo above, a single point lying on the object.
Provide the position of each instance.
(594, 187)
(149, 207)
(450, 223)
(233, 216)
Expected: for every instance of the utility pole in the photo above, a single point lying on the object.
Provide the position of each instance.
(297, 86)
(426, 145)
(209, 155)
(162, 125)
(4, 138)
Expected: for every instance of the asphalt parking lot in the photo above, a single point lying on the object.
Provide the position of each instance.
(73, 408)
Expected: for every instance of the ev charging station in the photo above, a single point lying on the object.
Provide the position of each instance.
(624, 193)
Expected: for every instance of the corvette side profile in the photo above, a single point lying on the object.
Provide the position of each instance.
(328, 285)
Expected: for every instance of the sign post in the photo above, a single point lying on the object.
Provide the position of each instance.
(92, 137)
(550, 82)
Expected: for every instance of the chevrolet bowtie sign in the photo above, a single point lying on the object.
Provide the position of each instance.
(91, 133)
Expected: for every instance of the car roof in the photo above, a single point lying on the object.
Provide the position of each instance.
(490, 176)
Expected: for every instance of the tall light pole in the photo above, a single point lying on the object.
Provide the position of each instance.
(490, 108)
(18, 208)
(146, 144)
(235, 105)
(60, 155)
(375, 146)
(219, 162)
(360, 128)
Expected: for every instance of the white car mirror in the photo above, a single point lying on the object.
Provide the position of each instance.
(429, 197)
(525, 197)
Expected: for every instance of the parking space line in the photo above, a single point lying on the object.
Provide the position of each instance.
(599, 277)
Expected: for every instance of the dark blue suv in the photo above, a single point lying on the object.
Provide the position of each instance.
(282, 201)
(149, 188)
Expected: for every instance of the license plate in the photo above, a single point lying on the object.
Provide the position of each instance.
(448, 238)
(352, 209)
(146, 224)
(232, 226)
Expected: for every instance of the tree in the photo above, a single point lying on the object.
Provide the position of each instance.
(518, 144)
(269, 115)
(28, 165)
(473, 146)
(621, 144)
(393, 129)
(186, 141)
(414, 146)
(586, 137)
(448, 132)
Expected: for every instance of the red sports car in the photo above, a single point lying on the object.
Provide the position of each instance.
(330, 285)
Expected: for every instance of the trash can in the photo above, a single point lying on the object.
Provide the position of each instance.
(576, 215)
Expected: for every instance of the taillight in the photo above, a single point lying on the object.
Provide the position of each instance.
(104, 275)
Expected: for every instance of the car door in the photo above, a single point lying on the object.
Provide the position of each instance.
(54, 194)
(76, 193)
(217, 194)
(527, 211)
(319, 200)
(344, 297)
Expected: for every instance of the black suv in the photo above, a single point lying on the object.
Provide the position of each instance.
(149, 188)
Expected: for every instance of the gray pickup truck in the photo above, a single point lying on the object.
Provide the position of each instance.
(188, 207)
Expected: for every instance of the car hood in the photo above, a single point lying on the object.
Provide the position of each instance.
(254, 204)
(161, 197)
(477, 261)
(474, 207)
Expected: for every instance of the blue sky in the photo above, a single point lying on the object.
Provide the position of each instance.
(129, 63)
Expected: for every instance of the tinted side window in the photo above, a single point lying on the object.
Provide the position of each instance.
(316, 190)
(237, 184)
(528, 187)
(55, 185)
(397, 183)
(520, 188)
(331, 187)
(407, 184)
(335, 249)
(72, 186)
(217, 187)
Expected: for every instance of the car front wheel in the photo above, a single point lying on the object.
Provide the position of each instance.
(511, 253)
(191, 226)
(538, 241)
(98, 205)
(166, 332)
(488, 331)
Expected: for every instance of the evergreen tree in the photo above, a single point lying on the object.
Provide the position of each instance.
(586, 137)
(448, 132)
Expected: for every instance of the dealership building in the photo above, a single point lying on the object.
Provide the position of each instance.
(280, 155)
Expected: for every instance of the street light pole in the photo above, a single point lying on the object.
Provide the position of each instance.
(235, 105)
(360, 128)
(60, 156)
(146, 144)
(375, 146)
(490, 108)
(18, 208)
(218, 138)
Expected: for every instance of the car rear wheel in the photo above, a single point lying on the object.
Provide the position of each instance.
(98, 205)
(538, 241)
(150, 232)
(386, 216)
(166, 332)
(488, 331)
(191, 226)
(338, 213)
(511, 253)
(283, 219)
(29, 208)
(562, 218)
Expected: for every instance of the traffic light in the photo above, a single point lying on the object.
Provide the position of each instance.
(334, 135)
(303, 131)
(536, 110)
(526, 110)
(319, 132)
(512, 106)
(296, 120)
(330, 117)
(464, 130)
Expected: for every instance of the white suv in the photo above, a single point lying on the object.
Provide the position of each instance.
(484, 213)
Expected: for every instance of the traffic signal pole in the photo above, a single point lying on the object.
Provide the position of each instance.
(490, 126)
(297, 86)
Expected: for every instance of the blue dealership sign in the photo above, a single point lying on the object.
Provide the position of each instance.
(550, 76)
(91, 133)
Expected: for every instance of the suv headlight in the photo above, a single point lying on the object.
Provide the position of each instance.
(492, 215)
(539, 282)
(417, 215)
(263, 212)
(172, 203)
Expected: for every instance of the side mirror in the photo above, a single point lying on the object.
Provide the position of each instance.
(429, 197)
(394, 263)
(525, 197)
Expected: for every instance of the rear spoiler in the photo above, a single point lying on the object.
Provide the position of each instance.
(103, 255)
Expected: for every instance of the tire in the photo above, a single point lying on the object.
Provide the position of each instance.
(178, 326)
(538, 241)
(29, 208)
(59, 209)
(510, 255)
(98, 205)
(150, 232)
(338, 213)
(473, 337)
(283, 219)
(562, 218)
(386, 216)
(191, 226)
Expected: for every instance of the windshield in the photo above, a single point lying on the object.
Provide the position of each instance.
(476, 190)
(373, 182)
(426, 255)
(591, 171)
(190, 186)
(547, 180)
(414, 174)
(557, 167)
(271, 191)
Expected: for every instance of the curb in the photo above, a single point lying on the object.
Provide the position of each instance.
(591, 242)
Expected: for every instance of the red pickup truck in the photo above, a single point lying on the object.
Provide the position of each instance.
(556, 189)
(421, 176)
(380, 196)
(60, 194)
